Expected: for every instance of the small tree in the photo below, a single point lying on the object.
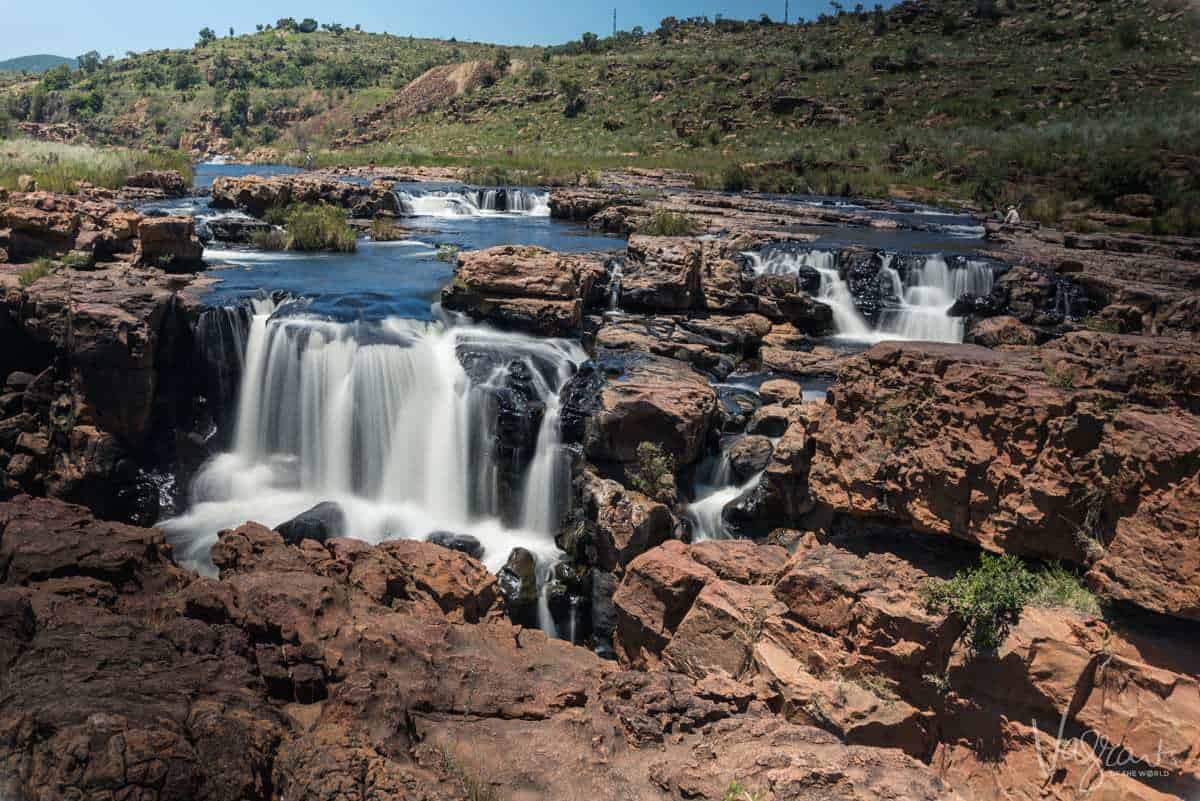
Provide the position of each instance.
(987, 600)
(89, 62)
(206, 36)
(307, 25)
(590, 41)
(502, 61)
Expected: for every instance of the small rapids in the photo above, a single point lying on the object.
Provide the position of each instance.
(395, 421)
(474, 202)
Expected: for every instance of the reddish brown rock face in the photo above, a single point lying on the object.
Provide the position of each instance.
(255, 195)
(525, 288)
(1013, 451)
(351, 671)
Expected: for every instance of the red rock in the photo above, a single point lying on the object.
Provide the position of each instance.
(661, 273)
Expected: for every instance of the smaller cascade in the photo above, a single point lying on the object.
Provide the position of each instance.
(715, 490)
(614, 285)
(474, 203)
(833, 290)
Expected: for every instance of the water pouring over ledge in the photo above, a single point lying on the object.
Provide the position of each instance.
(919, 303)
(395, 421)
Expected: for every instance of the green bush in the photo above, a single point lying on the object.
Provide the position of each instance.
(320, 227)
(1128, 36)
(271, 239)
(987, 600)
(733, 178)
(39, 269)
(654, 473)
(666, 223)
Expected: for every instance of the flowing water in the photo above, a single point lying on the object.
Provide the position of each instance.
(421, 201)
(383, 419)
(714, 490)
(919, 307)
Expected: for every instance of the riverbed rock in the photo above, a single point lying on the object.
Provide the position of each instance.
(255, 195)
(523, 287)
(649, 399)
(661, 273)
(321, 523)
(169, 242)
(621, 523)
(463, 543)
(169, 182)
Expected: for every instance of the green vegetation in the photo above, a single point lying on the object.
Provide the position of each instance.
(736, 791)
(987, 600)
(308, 226)
(666, 223)
(936, 101)
(448, 253)
(1058, 587)
(39, 269)
(320, 227)
(57, 167)
(654, 473)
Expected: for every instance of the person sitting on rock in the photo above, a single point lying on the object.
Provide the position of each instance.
(1012, 217)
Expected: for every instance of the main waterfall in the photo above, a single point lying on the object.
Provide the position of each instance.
(397, 423)
(474, 202)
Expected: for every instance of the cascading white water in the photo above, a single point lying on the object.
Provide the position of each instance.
(832, 291)
(923, 313)
(474, 203)
(614, 285)
(924, 299)
(385, 421)
(714, 491)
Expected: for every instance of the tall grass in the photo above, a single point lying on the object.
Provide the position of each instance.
(57, 167)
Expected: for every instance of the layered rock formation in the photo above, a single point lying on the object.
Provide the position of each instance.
(345, 670)
(255, 195)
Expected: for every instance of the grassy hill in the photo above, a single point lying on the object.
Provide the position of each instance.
(1065, 106)
(35, 64)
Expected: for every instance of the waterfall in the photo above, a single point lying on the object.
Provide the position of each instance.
(833, 290)
(922, 301)
(614, 285)
(474, 202)
(715, 489)
(385, 420)
(931, 290)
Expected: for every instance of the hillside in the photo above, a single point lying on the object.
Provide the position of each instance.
(1060, 107)
(35, 64)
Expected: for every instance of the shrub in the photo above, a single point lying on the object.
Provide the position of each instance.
(988, 600)
(271, 239)
(39, 269)
(320, 227)
(448, 253)
(654, 473)
(736, 791)
(384, 230)
(666, 223)
(502, 61)
(1128, 36)
(537, 77)
(733, 178)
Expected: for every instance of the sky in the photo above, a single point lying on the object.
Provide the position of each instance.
(71, 27)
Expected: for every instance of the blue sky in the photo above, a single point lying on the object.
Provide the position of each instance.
(71, 27)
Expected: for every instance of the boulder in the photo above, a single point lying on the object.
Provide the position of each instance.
(992, 332)
(169, 242)
(463, 543)
(661, 273)
(622, 523)
(523, 287)
(519, 587)
(650, 399)
(321, 523)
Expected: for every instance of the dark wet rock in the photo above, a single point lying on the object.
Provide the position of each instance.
(463, 543)
(519, 587)
(232, 230)
(321, 523)
(750, 455)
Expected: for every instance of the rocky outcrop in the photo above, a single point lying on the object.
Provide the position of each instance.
(523, 287)
(1061, 454)
(98, 367)
(42, 224)
(349, 669)
(169, 182)
(254, 195)
(836, 636)
(647, 399)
